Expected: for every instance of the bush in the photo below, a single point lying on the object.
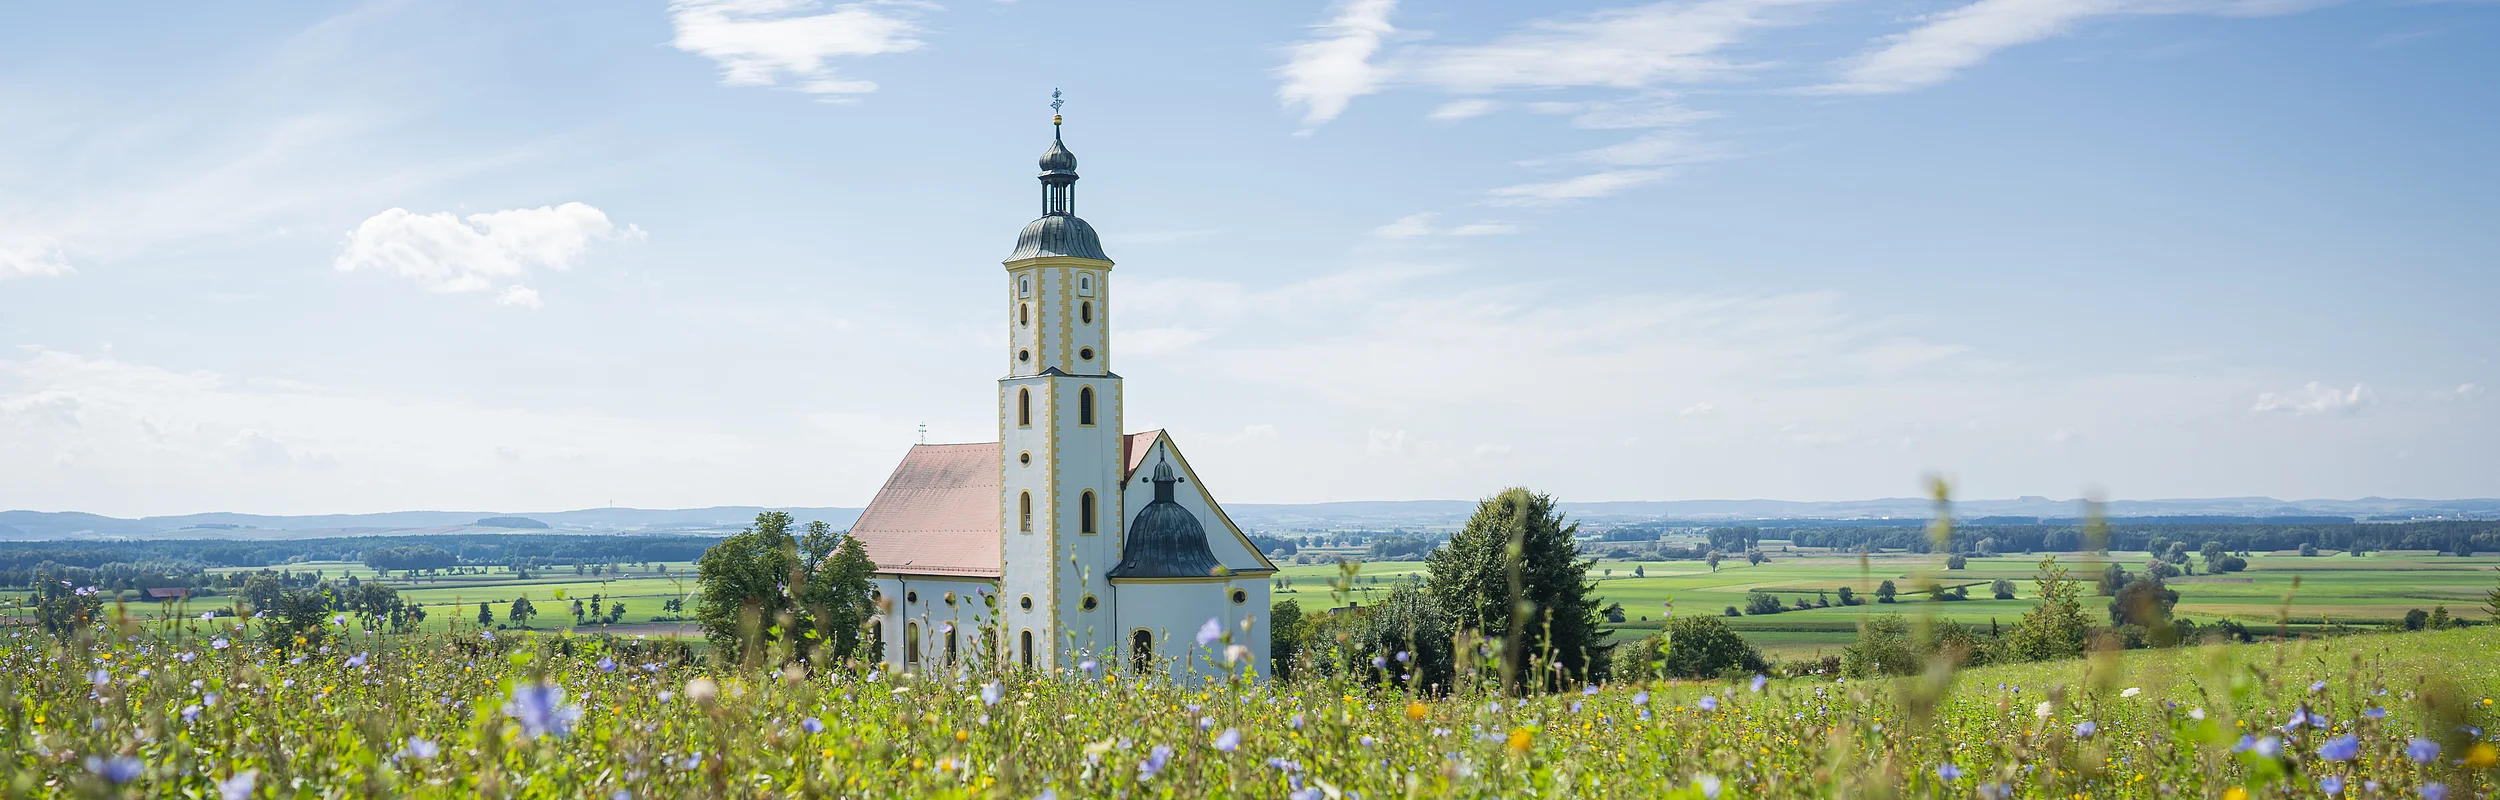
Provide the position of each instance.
(1703, 647)
(1955, 561)
(1761, 602)
(2002, 589)
(1847, 597)
(1732, 612)
(2308, 549)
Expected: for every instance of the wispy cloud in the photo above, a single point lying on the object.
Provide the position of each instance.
(1327, 72)
(1462, 109)
(1956, 40)
(1625, 48)
(1420, 224)
(491, 251)
(1595, 184)
(29, 255)
(765, 42)
(2315, 398)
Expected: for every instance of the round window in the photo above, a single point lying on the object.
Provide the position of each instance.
(1087, 354)
(1241, 596)
(1024, 355)
(1087, 604)
(1025, 458)
(911, 597)
(1025, 602)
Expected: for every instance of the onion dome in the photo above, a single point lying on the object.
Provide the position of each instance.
(1058, 235)
(1166, 541)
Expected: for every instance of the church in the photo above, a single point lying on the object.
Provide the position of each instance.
(1067, 540)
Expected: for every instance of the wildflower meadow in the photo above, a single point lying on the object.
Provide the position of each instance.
(210, 708)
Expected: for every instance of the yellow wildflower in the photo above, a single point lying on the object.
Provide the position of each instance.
(1415, 710)
(1521, 739)
(2482, 756)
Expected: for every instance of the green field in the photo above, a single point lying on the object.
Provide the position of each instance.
(2367, 590)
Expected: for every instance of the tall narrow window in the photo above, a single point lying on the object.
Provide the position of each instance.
(1085, 406)
(1141, 654)
(950, 647)
(1024, 312)
(911, 644)
(1085, 512)
(1027, 647)
(1024, 408)
(1085, 311)
(876, 639)
(1024, 512)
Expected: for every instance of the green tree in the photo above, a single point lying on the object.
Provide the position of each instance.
(1762, 602)
(1284, 638)
(485, 615)
(1690, 647)
(1956, 561)
(521, 612)
(1885, 591)
(1367, 642)
(261, 590)
(2439, 620)
(741, 580)
(2056, 628)
(2001, 589)
(2491, 605)
(2416, 619)
(836, 591)
(2213, 553)
(1514, 574)
(2145, 601)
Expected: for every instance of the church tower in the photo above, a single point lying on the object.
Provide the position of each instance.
(1061, 462)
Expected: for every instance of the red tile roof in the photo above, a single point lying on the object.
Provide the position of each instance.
(1133, 449)
(938, 513)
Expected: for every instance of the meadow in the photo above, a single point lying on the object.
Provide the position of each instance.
(2360, 591)
(205, 708)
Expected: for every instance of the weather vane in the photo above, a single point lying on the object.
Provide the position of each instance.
(1054, 106)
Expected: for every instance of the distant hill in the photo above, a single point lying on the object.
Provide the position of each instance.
(510, 522)
(1361, 515)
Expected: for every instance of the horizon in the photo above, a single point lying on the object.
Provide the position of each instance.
(397, 255)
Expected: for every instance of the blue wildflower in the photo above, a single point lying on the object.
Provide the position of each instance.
(1208, 633)
(2270, 747)
(2331, 785)
(2422, 751)
(1947, 772)
(1708, 784)
(2084, 729)
(540, 709)
(1760, 681)
(1154, 762)
(1228, 741)
(606, 664)
(238, 787)
(2341, 748)
(421, 749)
(2374, 712)
(812, 725)
(117, 769)
(992, 692)
(2434, 791)
(1707, 703)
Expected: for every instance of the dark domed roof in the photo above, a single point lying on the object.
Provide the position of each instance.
(1165, 541)
(1058, 235)
(1057, 158)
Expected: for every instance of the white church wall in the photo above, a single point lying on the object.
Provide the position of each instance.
(1173, 612)
(922, 602)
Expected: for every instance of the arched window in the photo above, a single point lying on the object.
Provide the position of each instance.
(1085, 284)
(1024, 313)
(1024, 408)
(1141, 653)
(911, 644)
(1024, 286)
(950, 647)
(1027, 645)
(1024, 512)
(876, 639)
(1085, 406)
(1085, 512)
(1085, 311)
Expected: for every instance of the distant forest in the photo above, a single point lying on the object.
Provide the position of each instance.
(185, 562)
(2443, 536)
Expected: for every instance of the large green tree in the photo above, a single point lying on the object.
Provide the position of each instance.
(765, 586)
(1514, 574)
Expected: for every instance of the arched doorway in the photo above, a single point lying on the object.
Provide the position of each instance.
(1141, 651)
(911, 645)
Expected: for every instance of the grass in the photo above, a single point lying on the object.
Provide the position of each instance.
(2362, 591)
(163, 710)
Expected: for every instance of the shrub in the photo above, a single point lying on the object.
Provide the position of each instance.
(1704, 647)
(1761, 602)
(2002, 589)
(1955, 561)
(1847, 597)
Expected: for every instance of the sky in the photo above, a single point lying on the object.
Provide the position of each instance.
(332, 258)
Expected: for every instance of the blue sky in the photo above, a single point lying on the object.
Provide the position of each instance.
(304, 258)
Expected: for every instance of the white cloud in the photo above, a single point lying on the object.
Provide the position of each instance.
(1956, 40)
(1697, 409)
(2315, 398)
(1324, 74)
(2463, 391)
(1407, 227)
(1420, 224)
(1621, 47)
(1462, 109)
(1595, 184)
(762, 42)
(1650, 109)
(1381, 443)
(31, 255)
(481, 252)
